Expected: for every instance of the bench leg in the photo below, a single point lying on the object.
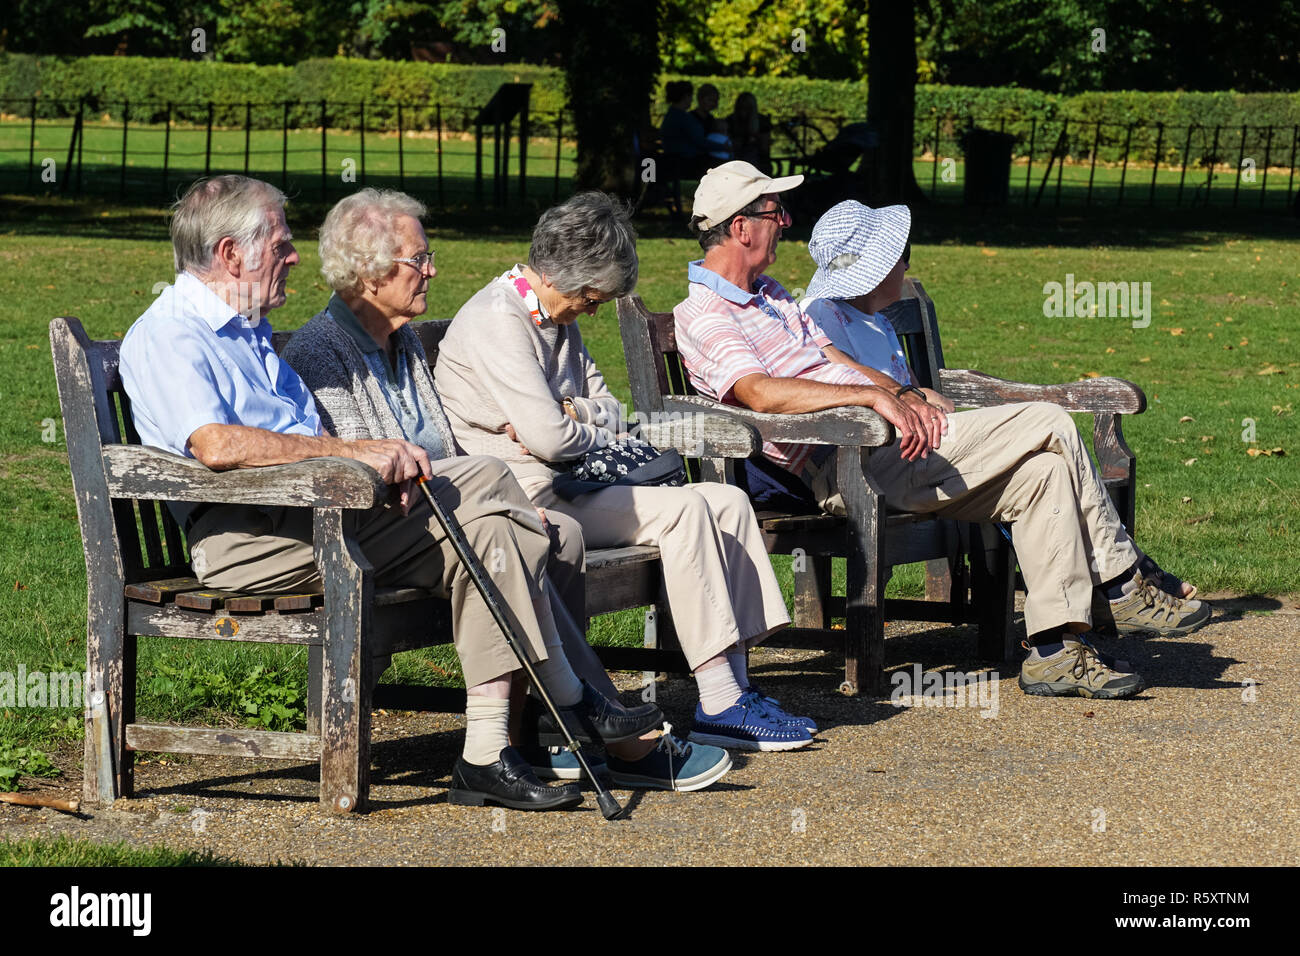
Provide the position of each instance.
(993, 589)
(109, 769)
(864, 652)
(812, 592)
(346, 665)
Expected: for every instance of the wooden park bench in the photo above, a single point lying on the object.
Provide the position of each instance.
(140, 584)
(970, 567)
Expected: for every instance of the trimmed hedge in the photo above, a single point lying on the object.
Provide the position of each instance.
(149, 84)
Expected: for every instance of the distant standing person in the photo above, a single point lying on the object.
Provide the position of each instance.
(750, 132)
(715, 129)
(684, 138)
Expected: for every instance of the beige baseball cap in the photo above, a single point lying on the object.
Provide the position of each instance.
(729, 188)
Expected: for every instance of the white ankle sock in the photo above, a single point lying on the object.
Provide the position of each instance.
(559, 678)
(718, 689)
(739, 661)
(486, 729)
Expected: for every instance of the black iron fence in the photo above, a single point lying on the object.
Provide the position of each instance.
(146, 150)
(150, 148)
(1095, 162)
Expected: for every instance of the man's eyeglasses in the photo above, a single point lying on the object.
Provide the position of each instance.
(421, 262)
(779, 214)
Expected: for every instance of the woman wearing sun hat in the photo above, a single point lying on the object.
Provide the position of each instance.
(862, 255)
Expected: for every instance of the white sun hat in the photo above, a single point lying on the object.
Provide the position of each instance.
(729, 188)
(855, 247)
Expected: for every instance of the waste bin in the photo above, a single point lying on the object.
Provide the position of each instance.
(988, 166)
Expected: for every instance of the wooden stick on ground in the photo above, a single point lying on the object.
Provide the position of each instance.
(41, 800)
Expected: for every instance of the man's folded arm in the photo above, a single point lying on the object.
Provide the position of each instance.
(222, 447)
(792, 396)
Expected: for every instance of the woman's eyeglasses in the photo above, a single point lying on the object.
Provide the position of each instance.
(421, 262)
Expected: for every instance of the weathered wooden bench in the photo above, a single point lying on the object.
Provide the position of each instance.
(970, 567)
(140, 584)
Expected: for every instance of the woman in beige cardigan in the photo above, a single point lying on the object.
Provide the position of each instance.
(517, 383)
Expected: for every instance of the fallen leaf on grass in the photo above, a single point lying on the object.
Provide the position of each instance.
(19, 586)
(989, 252)
(1190, 461)
(1186, 499)
(1175, 331)
(1269, 369)
(1266, 452)
(1186, 418)
(1110, 351)
(1147, 359)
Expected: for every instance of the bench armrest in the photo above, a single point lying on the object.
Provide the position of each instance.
(703, 434)
(1097, 395)
(850, 425)
(137, 471)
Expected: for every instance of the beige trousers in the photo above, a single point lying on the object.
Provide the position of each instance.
(245, 548)
(717, 575)
(1025, 464)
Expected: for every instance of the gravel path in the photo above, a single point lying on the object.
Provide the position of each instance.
(1198, 770)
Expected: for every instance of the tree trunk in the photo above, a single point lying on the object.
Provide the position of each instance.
(611, 62)
(891, 99)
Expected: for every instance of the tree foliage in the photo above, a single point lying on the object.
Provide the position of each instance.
(1048, 45)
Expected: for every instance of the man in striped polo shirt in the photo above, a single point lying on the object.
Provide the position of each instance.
(745, 342)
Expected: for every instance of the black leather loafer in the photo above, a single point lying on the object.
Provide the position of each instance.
(594, 719)
(510, 782)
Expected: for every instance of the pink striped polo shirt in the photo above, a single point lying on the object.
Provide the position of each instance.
(725, 333)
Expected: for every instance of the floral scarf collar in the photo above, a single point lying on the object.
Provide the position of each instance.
(521, 285)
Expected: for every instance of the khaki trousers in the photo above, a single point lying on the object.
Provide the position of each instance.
(245, 548)
(717, 575)
(1027, 465)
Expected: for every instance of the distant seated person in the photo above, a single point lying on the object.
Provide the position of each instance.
(685, 140)
(715, 129)
(750, 132)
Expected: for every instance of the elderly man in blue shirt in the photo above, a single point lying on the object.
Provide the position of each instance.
(205, 382)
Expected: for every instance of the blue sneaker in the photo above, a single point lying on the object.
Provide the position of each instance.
(672, 765)
(776, 710)
(557, 763)
(747, 725)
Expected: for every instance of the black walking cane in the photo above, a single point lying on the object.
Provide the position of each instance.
(609, 807)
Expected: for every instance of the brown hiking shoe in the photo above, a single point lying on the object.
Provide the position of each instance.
(1076, 671)
(1146, 608)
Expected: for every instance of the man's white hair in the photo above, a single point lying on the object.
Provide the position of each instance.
(223, 206)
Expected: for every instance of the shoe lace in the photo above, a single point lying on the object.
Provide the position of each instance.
(1086, 661)
(673, 747)
(1162, 602)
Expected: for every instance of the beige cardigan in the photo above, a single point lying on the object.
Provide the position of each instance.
(496, 366)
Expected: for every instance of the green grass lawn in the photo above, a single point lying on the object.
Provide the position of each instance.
(61, 851)
(1220, 350)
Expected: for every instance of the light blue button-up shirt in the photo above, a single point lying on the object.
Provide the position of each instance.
(191, 360)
